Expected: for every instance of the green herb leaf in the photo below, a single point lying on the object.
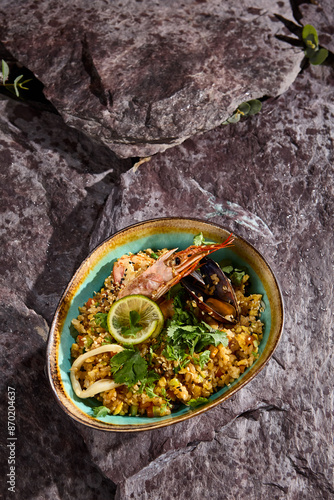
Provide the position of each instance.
(4, 71)
(128, 367)
(101, 411)
(172, 292)
(319, 57)
(309, 32)
(236, 276)
(148, 384)
(186, 333)
(199, 240)
(134, 327)
(107, 340)
(176, 353)
(181, 316)
(227, 269)
(203, 359)
(212, 337)
(101, 320)
(154, 256)
(193, 403)
(150, 392)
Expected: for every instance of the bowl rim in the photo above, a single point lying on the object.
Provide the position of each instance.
(53, 343)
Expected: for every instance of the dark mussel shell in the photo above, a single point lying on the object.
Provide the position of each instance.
(216, 296)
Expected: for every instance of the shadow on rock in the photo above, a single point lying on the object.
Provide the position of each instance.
(59, 178)
(47, 133)
(48, 446)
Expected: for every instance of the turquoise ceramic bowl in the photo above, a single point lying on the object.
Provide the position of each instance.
(89, 278)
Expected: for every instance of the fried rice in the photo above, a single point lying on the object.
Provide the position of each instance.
(175, 383)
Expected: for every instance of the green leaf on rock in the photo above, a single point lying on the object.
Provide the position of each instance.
(255, 106)
(234, 118)
(309, 33)
(5, 71)
(16, 81)
(244, 108)
(319, 57)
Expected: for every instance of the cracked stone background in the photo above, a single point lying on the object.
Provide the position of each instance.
(268, 178)
(144, 76)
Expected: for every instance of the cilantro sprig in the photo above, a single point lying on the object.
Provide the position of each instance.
(234, 274)
(200, 240)
(148, 383)
(203, 359)
(128, 367)
(186, 335)
(107, 340)
(101, 411)
(176, 353)
(101, 320)
(134, 325)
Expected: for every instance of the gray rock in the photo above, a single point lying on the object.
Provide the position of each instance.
(49, 454)
(53, 185)
(272, 439)
(270, 179)
(321, 16)
(141, 77)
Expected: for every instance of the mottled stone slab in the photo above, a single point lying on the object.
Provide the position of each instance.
(53, 185)
(272, 439)
(321, 16)
(54, 182)
(144, 76)
(270, 179)
(50, 457)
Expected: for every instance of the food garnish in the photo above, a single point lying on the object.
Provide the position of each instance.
(134, 318)
(168, 327)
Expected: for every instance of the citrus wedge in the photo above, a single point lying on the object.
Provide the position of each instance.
(134, 318)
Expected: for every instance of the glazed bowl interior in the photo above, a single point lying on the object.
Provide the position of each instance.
(155, 234)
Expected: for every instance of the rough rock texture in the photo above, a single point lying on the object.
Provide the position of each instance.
(144, 76)
(273, 438)
(54, 181)
(268, 178)
(53, 185)
(48, 464)
(321, 16)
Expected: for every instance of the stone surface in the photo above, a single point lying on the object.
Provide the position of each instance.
(273, 438)
(54, 182)
(321, 16)
(50, 455)
(144, 76)
(53, 185)
(270, 179)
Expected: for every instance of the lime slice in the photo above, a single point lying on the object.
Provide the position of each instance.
(134, 318)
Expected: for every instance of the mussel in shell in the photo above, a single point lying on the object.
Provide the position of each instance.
(213, 293)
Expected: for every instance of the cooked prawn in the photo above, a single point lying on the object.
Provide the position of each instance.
(126, 268)
(168, 270)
